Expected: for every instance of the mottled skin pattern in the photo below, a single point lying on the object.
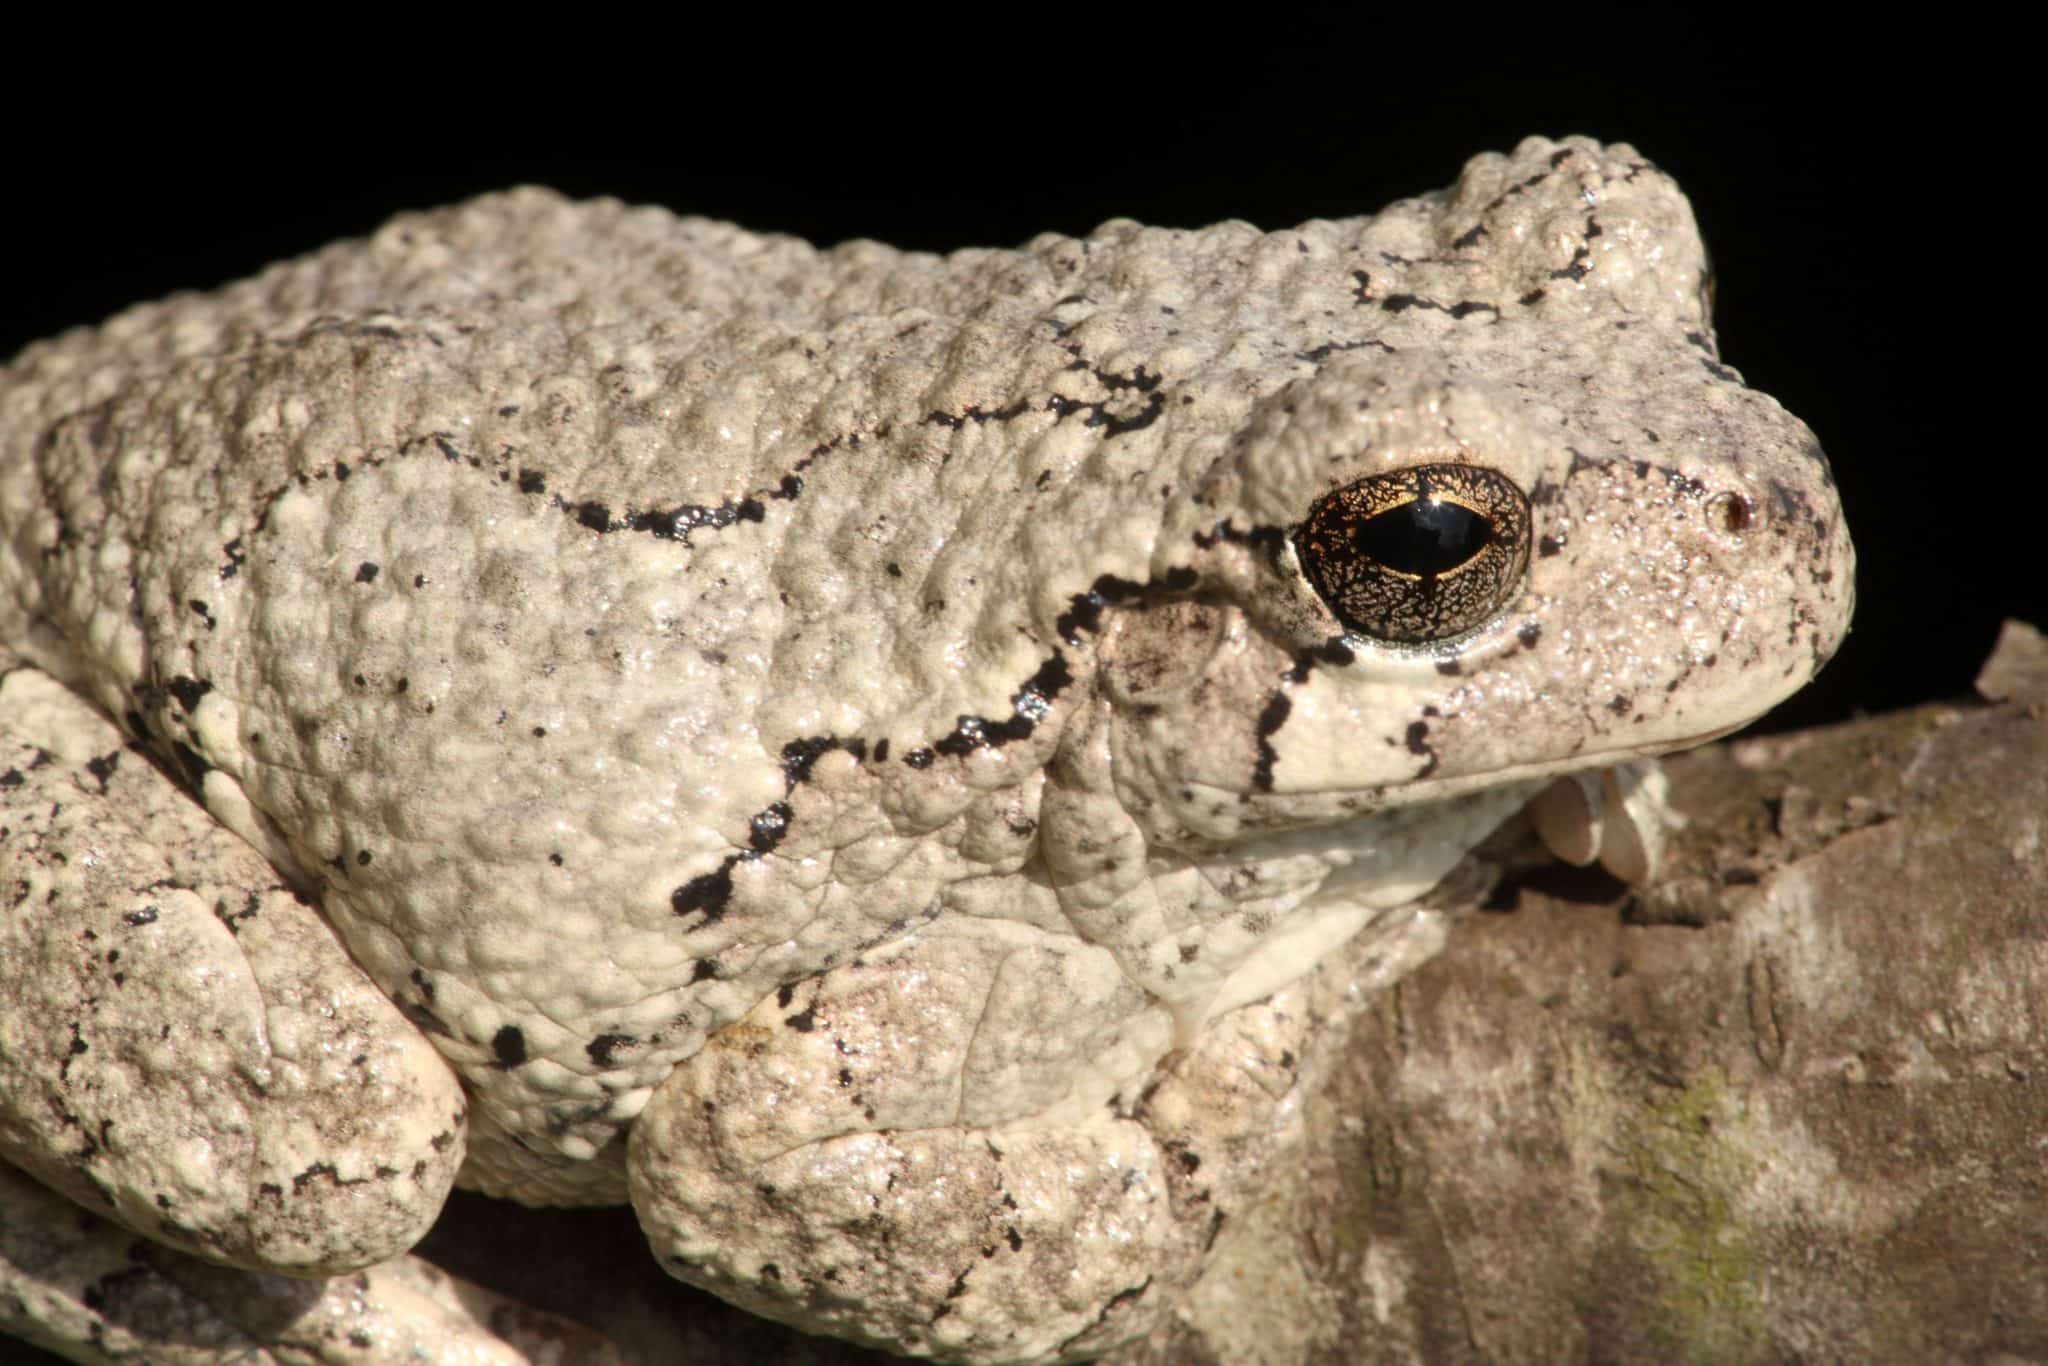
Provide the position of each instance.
(623, 624)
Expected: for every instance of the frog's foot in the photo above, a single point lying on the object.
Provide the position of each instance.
(841, 1158)
(93, 1291)
(1619, 816)
(184, 1046)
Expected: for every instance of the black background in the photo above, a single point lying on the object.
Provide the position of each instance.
(1866, 216)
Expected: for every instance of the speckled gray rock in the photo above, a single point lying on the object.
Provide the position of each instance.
(789, 726)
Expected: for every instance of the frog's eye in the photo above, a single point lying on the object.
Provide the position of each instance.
(1418, 555)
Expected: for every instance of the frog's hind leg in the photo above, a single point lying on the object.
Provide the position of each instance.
(875, 1153)
(185, 1048)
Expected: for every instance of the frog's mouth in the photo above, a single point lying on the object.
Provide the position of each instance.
(1419, 790)
(1590, 760)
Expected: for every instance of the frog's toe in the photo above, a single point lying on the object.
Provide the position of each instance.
(1620, 816)
(184, 1046)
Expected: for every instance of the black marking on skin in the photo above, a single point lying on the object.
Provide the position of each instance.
(204, 611)
(709, 892)
(1417, 741)
(1464, 308)
(805, 1020)
(367, 572)
(1271, 540)
(508, 1047)
(1529, 633)
(673, 524)
(1084, 611)
(704, 970)
(234, 920)
(102, 768)
(1029, 705)
(603, 1049)
(1317, 355)
(973, 413)
(799, 756)
(1334, 651)
(1139, 380)
(1111, 425)
(1580, 266)
(768, 827)
(1271, 717)
(187, 692)
(677, 523)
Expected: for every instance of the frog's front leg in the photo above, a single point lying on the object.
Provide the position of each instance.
(184, 1046)
(959, 1144)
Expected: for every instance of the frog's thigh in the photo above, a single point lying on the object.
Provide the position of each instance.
(184, 1046)
(888, 1152)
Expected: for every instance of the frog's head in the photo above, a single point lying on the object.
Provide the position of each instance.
(1405, 584)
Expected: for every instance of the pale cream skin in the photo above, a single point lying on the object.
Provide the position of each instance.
(797, 740)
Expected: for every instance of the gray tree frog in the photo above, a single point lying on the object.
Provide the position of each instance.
(841, 748)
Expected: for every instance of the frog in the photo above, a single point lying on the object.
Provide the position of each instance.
(850, 752)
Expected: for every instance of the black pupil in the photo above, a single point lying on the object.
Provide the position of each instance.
(1425, 538)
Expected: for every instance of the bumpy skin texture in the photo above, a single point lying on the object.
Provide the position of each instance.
(862, 713)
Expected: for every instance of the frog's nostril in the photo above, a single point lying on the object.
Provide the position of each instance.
(1731, 512)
